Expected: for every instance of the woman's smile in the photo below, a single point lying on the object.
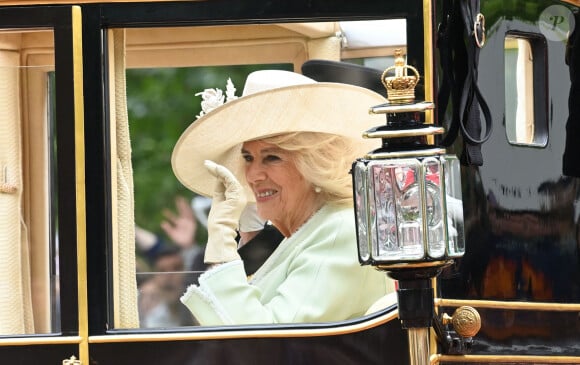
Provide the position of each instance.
(264, 195)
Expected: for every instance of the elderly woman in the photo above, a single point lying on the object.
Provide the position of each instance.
(291, 141)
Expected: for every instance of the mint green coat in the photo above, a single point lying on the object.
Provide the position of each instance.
(313, 276)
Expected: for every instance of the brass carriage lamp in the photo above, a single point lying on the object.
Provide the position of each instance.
(408, 192)
(408, 203)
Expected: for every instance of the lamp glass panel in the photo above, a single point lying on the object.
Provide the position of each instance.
(396, 191)
(361, 212)
(434, 207)
(454, 205)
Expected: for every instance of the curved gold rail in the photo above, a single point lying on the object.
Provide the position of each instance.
(538, 306)
(519, 359)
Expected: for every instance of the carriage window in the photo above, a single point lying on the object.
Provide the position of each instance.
(28, 238)
(165, 71)
(525, 89)
(171, 221)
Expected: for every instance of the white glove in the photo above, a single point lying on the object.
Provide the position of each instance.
(250, 221)
(228, 202)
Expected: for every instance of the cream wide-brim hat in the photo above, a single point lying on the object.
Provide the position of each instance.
(266, 110)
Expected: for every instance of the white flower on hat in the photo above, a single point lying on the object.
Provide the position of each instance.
(230, 91)
(213, 98)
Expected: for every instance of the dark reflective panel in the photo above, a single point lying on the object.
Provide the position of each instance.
(521, 211)
(31, 355)
(527, 332)
(521, 214)
(369, 347)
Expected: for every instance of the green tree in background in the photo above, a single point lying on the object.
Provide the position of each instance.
(162, 104)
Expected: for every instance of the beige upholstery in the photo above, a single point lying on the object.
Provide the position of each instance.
(16, 299)
(228, 45)
(124, 283)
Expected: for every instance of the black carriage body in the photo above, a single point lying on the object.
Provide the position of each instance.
(521, 269)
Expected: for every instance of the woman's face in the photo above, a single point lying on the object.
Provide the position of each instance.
(282, 194)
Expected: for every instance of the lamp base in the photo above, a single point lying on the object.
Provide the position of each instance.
(415, 291)
(414, 270)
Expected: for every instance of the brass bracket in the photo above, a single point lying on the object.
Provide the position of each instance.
(456, 332)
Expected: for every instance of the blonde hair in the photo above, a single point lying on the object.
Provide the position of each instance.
(323, 159)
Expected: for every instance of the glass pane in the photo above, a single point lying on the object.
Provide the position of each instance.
(525, 94)
(160, 290)
(28, 238)
(166, 72)
(362, 216)
(434, 207)
(454, 204)
(397, 192)
(171, 221)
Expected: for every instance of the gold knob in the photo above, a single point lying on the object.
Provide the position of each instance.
(465, 320)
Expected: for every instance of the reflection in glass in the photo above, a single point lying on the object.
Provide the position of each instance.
(434, 203)
(519, 90)
(454, 204)
(413, 211)
(54, 240)
(525, 89)
(159, 294)
(400, 230)
(361, 201)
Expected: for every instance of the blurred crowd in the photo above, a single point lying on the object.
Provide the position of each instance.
(169, 263)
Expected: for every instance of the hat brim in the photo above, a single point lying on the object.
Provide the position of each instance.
(333, 108)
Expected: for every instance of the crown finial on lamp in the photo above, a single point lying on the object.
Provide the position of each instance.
(401, 86)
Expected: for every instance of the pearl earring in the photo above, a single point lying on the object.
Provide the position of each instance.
(317, 189)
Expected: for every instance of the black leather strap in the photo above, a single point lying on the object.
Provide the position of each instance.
(461, 35)
(571, 158)
(449, 52)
